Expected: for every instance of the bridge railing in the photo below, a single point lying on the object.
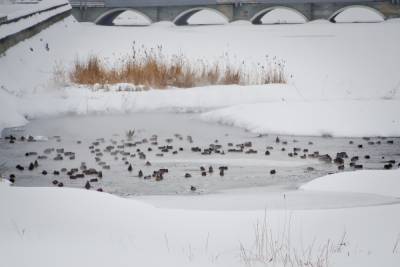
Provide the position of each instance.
(139, 3)
(87, 3)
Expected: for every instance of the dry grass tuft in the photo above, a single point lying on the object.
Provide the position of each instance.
(278, 249)
(59, 75)
(90, 71)
(152, 69)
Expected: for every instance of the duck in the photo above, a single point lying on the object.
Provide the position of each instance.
(87, 185)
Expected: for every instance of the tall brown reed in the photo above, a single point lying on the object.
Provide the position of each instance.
(151, 68)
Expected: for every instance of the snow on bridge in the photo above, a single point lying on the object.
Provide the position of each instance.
(179, 11)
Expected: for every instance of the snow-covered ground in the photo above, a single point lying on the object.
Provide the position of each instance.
(131, 18)
(47, 226)
(329, 117)
(359, 14)
(17, 10)
(343, 80)
(354, 64)
(276, 109)
(371, 182)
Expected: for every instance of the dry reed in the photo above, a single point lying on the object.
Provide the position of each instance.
(152, 69)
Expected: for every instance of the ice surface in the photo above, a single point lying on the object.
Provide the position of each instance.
(245, 170)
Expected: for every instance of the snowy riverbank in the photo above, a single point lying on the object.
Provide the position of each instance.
(277, 109)
(43, 223)
(329, 83)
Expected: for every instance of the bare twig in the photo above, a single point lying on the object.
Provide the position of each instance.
(396, 244)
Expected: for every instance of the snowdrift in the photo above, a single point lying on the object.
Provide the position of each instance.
(367, 181)
(314, 118)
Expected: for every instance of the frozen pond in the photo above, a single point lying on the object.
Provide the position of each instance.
(104, 138)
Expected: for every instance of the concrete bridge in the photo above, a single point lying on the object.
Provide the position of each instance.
(179, 11)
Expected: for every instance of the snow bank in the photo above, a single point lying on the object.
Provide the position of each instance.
(359, 14)
(9, 116)
(199, 98)
(14, 27)
(319, 21)
(240, 23)
(324, 61)
(356, 118)
(283, 15)
(20, 9)
(81, 100)
(163, 24)
(207, 17)
(131, 17)
(275, 109)
(381, 182)
(71, 227)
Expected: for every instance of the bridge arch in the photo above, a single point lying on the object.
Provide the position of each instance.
(109, 16)
(257, 18)
(333, 17)
(183, 17)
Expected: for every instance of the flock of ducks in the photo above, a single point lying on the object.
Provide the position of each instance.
(129, 149)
